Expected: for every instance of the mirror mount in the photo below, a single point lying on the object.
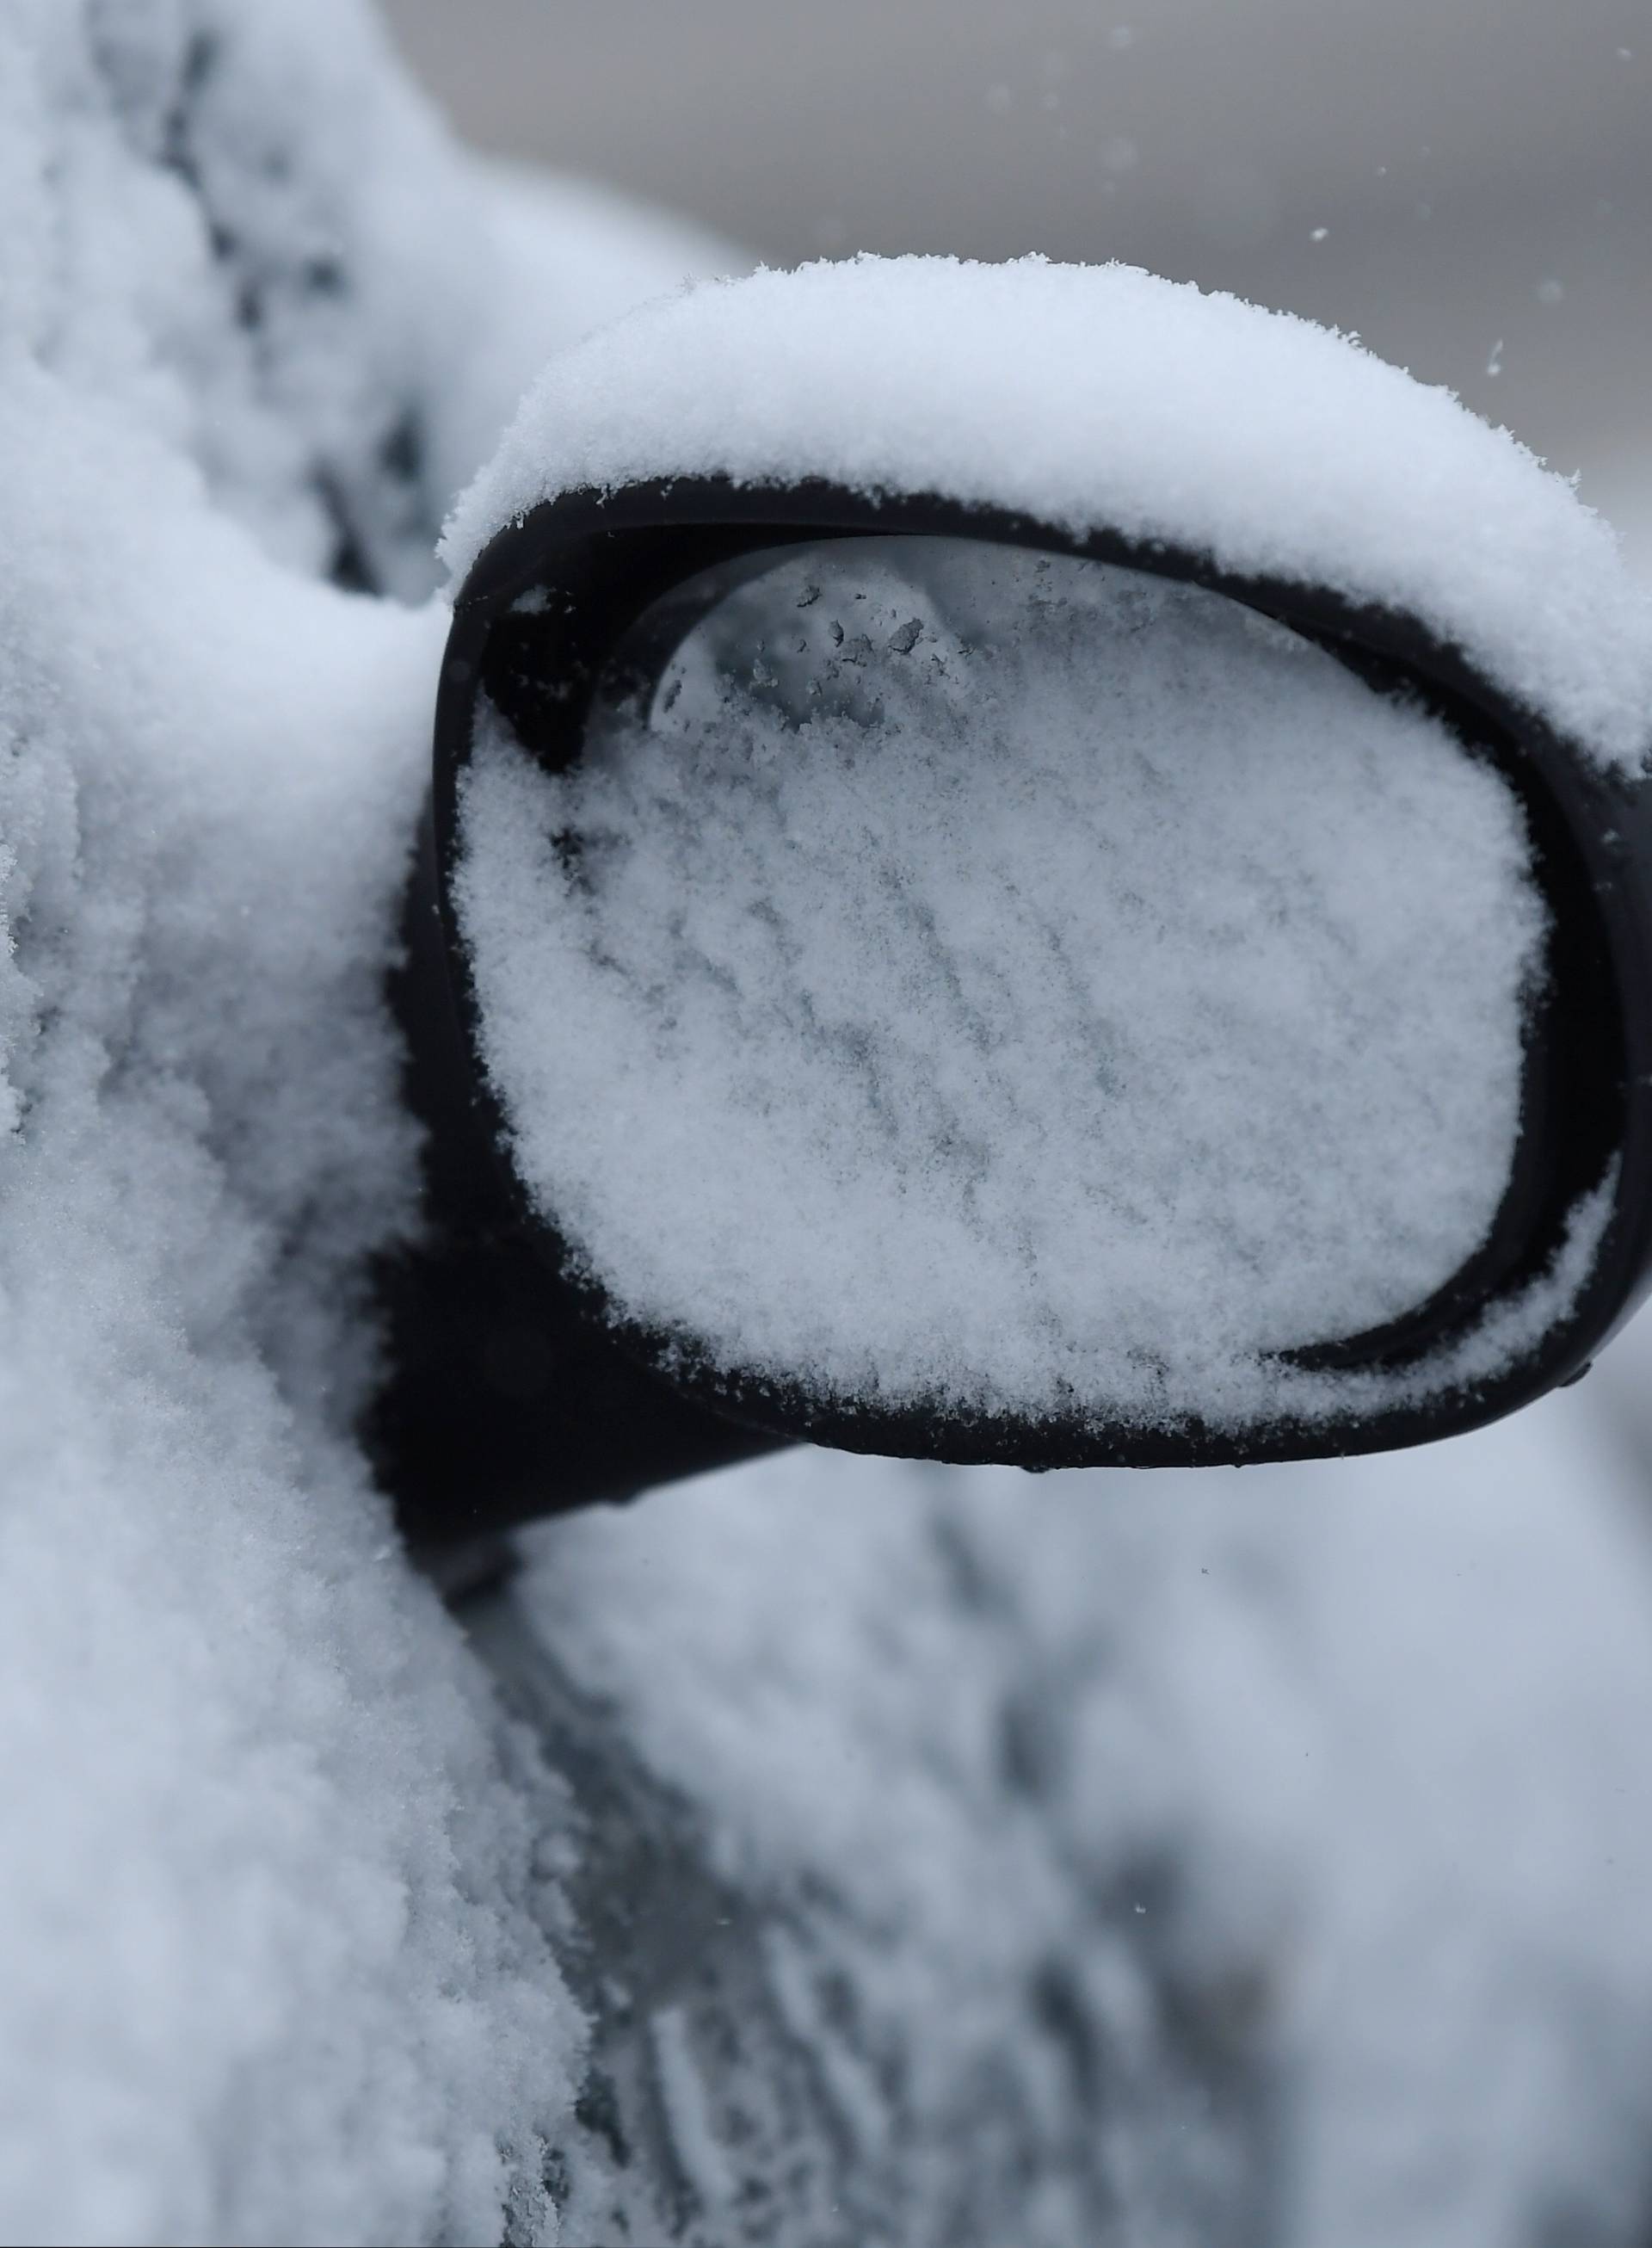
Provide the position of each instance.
(505, 1402)
(517, 1389)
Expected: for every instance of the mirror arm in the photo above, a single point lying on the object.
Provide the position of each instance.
(505, 1402)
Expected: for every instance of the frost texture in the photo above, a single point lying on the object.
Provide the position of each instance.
(1090, 397)
(1009, 983)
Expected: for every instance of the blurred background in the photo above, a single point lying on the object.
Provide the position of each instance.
(1465, 183)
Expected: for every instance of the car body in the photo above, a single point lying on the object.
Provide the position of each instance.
(831, 1850)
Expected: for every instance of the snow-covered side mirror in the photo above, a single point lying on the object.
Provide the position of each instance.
(984, 899)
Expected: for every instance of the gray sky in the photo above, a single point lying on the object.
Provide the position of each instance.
(1482, 169)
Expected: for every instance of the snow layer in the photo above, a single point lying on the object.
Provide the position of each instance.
(272, 1870)
(274, 1876)
(1011, 982)
(1091, 396)
(1344, 1766)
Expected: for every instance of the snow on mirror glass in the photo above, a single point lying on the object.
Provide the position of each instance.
(953, 974)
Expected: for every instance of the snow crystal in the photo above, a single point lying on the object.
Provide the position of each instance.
(1007, 979)
(1103, 396)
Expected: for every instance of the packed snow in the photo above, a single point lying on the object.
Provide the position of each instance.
(1036, 1814)
(1005, 980)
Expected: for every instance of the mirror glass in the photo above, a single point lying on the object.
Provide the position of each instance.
(957, 975)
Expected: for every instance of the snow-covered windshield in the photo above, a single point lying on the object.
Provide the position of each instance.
(1034, 964)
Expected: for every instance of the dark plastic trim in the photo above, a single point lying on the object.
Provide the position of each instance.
(602, 558)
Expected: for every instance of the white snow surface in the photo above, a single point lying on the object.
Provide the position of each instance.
(273, 1873)
(271, 1965)
(1004, 981)
(1103, 396)
(1380, 1722)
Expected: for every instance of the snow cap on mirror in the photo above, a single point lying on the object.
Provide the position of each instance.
(1095, 397)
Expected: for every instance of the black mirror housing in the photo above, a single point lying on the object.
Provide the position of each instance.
(524, 1386)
